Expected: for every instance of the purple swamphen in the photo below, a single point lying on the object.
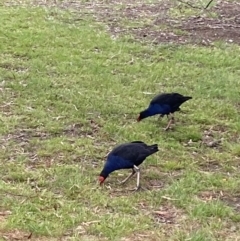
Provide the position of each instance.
(164, 104)
(127, 156)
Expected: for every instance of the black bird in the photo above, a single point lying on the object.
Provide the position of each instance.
(127, 156)
(164, 104)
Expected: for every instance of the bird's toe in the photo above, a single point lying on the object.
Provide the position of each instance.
(121, 182)
(167, 128)
(138, 189)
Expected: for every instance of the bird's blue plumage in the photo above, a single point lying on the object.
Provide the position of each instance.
(164, 104)
(155, 109)
(126, 156)
(115, 163)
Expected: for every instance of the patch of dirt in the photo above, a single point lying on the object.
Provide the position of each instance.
(167, 214)
(20, 141)
(86, 238)
(16, 235)
(232, 200)
(6, 108)
(139, 236)
(210, 165)
(213, 137)
(81, 232)
(81, 130)
(3, 217)
(234, 137)
(74, 130)
(11, 67)
(210, 142)
(231, 232)
(155, 179)
(151, 179)
(161, 22)
(155, 184)
(210, 195)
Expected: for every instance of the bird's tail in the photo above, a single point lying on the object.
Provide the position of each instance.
(187, 98)
(153, 148)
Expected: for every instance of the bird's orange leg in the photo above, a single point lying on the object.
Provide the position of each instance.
(138, 187)
(137, 170)
(128, 177)
(171, 121)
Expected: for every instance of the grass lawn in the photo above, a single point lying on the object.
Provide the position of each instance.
(70, 92)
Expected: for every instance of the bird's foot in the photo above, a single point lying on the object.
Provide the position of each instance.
(127, 178)
(170, 122)
(160, 117)
(138, 189)
(167, 128)
(121, 182)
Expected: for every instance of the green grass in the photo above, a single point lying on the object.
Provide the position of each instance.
(70, 93)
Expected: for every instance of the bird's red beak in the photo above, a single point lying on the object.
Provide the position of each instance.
(101, 180)
(139, 118)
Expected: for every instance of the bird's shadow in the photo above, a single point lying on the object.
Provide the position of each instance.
(150, 184)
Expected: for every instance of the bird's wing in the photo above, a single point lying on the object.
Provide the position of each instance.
(160, 99)
(133, 152)
(174, 100)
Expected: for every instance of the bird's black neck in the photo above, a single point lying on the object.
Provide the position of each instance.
(104, 174)
(144, 114)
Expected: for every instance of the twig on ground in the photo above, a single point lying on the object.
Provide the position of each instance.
(208, 4)
(194, 6)
(18, 195)
(189, 4)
